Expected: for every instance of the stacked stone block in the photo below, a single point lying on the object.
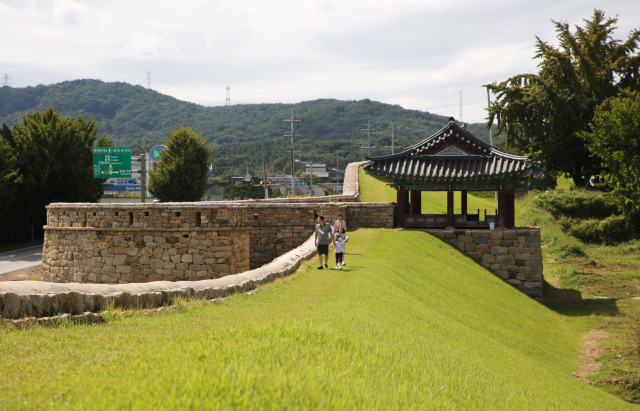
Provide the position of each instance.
(117, 256)
(513, 255)
(123, 243)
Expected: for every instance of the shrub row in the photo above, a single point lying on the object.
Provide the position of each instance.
(576, 204)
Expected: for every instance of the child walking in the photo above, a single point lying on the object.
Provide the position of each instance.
(339, 245)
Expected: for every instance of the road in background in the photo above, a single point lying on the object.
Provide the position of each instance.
(19, 259)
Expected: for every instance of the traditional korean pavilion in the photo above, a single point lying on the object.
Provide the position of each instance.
(452, 160)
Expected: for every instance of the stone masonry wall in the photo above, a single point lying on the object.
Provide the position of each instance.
(122, 243)
(513, 255)
(116, 256)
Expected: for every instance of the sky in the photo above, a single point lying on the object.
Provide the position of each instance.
(427, 55)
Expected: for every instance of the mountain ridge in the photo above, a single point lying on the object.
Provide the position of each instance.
(240, 135)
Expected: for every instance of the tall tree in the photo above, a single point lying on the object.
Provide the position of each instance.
(542, 114)
(54, 153)
(615, 138)
(183, 169)
(10, 179)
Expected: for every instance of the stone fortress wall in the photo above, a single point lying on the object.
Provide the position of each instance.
(514, 255)
(135, 243)
(145, 255)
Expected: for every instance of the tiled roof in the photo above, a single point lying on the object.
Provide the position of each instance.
(453, 153)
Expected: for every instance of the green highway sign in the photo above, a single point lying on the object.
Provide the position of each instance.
(111, 162)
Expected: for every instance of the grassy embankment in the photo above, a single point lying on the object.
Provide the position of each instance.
(408, 324)
(588, 280)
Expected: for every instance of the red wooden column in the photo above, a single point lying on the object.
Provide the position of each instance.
(510, 218)
(463, 202)
(502, 208)
(416, 202)
(402, 200)
(450, 207)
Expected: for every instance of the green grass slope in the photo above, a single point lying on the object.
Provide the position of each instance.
(408, 324)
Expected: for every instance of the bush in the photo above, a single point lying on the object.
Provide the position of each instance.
(576, 204)
(611, 230)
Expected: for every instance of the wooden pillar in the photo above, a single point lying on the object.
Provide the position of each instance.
(463, 202)
(416, 203)
(510, 218)
(502, 208)
(450, 207)
(401, 205)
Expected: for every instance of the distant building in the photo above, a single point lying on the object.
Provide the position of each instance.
(319, 170)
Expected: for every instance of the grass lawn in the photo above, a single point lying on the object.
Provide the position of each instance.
(408, 324)
(588, 280)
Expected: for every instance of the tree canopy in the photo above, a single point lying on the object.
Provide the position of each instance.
(182, 171)
(614, 138)
(49, 159)
(543, 114)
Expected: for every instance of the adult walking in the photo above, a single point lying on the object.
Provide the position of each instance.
(340, 227)
(322, 237)
(340, 224)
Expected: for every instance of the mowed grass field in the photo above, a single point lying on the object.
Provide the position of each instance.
(409, 323)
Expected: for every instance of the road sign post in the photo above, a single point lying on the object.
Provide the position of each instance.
(111, 162)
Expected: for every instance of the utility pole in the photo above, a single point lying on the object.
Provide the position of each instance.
(143, 177)
(461, 121)
(310, 178)
(143, 168)
(292, 120)
(490, 125)
(369, 131)
(264, 180)
(392, 141)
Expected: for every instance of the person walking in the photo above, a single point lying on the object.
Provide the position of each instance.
(339, 245)
(322, 236)
(340, 226)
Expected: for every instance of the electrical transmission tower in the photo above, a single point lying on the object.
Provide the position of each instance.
(148, 79)
(228, 101)
(295, 121)
(5, 80)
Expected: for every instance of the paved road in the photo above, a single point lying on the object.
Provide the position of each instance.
(19, 259)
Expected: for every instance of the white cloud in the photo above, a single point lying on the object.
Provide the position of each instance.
(416, 53)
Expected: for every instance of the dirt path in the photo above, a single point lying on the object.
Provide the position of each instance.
(590, 352)
(25, 274)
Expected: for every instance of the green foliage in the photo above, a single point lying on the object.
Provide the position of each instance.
(615, 139)
(54, 156)
(182, 171)
(543, 114)
(576, 204)
(611, 230)
(588, 216)
(244, 190)
(10, 180)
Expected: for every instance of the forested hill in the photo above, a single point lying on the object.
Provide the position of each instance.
(241, 135)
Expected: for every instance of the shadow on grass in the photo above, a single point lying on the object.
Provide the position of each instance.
(570, 302)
